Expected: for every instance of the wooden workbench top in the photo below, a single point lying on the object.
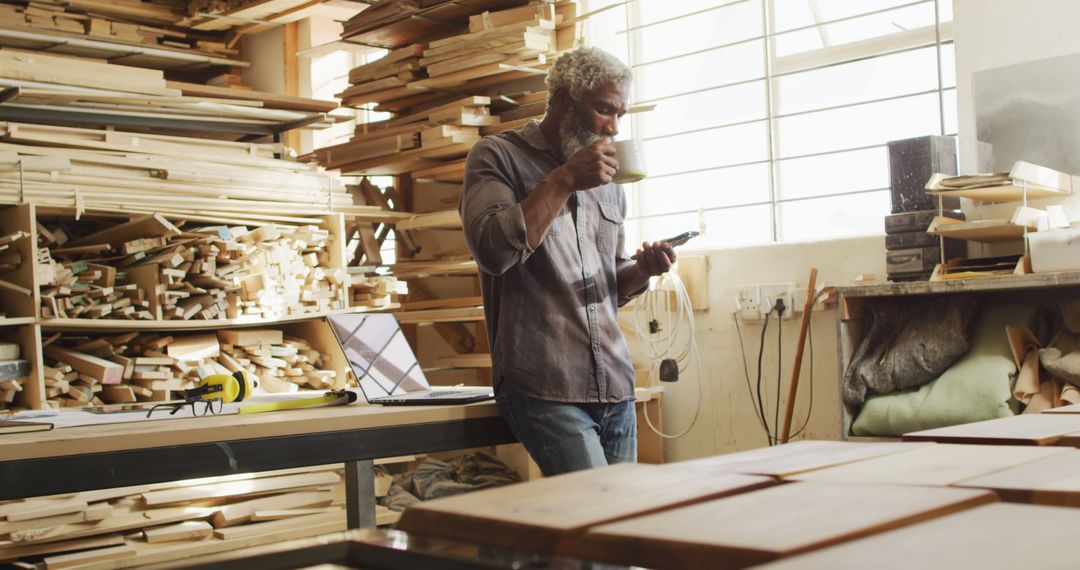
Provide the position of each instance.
(210, 429)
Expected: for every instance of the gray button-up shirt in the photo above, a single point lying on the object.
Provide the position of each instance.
(551, 310)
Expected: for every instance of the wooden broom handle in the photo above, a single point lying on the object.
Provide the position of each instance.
(793, 389)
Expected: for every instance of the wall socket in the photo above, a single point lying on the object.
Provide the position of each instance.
(798, 297)
(769, 293)
(745, 298)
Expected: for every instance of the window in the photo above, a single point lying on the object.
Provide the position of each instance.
(772, 115)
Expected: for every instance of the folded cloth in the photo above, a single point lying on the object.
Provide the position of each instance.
(908, 344)
(978, 387)
(1036, 391)
(1062, 357)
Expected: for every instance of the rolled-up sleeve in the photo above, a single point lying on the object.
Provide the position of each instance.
(491, 215)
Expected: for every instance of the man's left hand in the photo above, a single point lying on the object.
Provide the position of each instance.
(656, 258)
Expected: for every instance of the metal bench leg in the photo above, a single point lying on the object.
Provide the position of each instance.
(360, 494)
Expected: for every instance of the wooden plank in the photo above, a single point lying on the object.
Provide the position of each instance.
(43, 508)
(247, 337)
(782, 461)
(74, 559)
(270, 100)
(768, 524)
(446, 220)
(1025, 429)
(65, 546)
(937, 465)
(443, 303)
(187, 530)
(105, 371)
(194, 347)
(153, 225)
(239, 488)
(239, 513)
(1051, 481)
(274, 515)
(465, 314)
(544, 515)
(983, 538)
(256, 529)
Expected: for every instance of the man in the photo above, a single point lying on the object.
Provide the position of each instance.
(545, 224)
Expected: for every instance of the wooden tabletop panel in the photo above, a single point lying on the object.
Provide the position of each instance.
(548, 515)
(1001, 536)
(785, 460)
(934, 465)
(1025, 429)
(768, 524)
(1054, 481)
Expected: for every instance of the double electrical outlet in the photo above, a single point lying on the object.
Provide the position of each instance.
(753, 302)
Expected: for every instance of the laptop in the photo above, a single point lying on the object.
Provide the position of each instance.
(386, 367)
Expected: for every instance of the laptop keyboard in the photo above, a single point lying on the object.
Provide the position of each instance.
(448, 393)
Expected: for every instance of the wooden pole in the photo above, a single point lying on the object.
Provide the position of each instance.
(793, 389)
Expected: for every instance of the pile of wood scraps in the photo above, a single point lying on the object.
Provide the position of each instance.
(155, 367)
(10, 260)
(131, 526)
(92, 169)
(375, 290)
(147, 268)
(14, 372)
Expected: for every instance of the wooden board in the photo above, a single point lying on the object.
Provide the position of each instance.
(239, 513)
(269, 100)
(769, 524)
(791, 458)
(993, 537)
(186, 530)
(937, 465)
(549, 514)
(154, 225)
(260, 486)
(1025, 429)
(1051, 481)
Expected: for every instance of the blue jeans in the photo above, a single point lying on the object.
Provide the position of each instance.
(563, 437)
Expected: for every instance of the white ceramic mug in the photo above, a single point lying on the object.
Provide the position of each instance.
(631, 161)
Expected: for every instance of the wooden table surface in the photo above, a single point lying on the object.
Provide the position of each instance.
(1072, 409)
(1025, 429)
(548, 515)
(1054, 480)
(1001, 536)
(785, 460)
(935, 465)
(768, 524)
(209, 429)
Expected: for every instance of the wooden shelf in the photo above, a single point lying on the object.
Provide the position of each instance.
(138, 55)
(467, 314)
(131, 325)
(17, 321)
(446, 220)
(1003, 283)
(462, 361)
(429, 268)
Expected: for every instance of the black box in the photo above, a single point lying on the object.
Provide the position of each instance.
(914, 260)
(915, 221)
(911, 164)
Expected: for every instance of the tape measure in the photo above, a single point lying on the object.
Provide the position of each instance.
(229, 387)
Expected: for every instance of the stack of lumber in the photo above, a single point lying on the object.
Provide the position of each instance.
(140, 367)
(129, 22)
(393, 23)
(133, 526)
(147, 268)
(375, 290)
(106, 170)
(427, 137)
(54, 87)
(13, 373)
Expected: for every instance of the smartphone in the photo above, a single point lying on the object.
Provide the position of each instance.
(677, 240)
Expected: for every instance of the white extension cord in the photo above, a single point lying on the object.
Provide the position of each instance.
(655, 304)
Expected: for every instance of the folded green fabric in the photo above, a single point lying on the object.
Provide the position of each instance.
(977, 387)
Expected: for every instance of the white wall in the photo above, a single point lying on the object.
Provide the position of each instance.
(727, 422)
(996, 33)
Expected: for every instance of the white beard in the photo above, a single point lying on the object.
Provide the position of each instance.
(574, 135)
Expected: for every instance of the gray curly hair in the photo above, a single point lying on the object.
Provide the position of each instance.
(584, 69)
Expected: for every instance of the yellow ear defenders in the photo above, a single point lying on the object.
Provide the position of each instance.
(229, 387)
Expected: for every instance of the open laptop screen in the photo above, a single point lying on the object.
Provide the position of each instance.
(379, 355)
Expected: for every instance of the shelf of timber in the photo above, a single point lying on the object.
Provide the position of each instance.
(165, 325)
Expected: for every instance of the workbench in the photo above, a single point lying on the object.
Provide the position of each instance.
(116, 455)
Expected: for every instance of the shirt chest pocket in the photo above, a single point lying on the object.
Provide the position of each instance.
(607, 232)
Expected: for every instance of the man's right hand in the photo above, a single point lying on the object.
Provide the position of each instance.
(592, 166)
